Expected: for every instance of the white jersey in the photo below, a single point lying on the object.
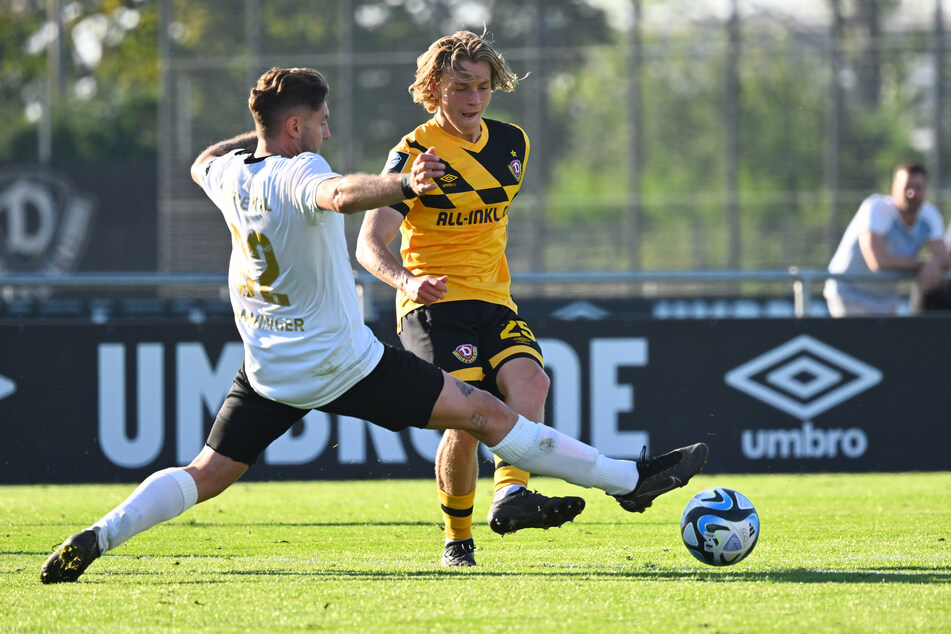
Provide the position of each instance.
(879, 215)
(290, 279)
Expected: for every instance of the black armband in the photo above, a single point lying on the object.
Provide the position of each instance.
(406, 187)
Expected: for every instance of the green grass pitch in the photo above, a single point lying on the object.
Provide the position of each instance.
(837, 553)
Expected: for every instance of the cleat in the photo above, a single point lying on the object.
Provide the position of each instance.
(530, 509)
(72, 558)
(662, 474)
(461, 553)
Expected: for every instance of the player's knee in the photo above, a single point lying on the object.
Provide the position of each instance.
(532, 392)
(527, 385)
(538, 385)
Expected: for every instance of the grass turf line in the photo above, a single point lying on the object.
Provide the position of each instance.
(838, 552)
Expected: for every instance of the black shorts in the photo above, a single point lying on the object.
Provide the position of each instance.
(400, 392)
(469, 339)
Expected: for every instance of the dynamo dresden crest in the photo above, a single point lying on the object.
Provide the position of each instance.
(466, 353)
(516, 168)
(44, 221)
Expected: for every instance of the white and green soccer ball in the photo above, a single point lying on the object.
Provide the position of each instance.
(719, 526)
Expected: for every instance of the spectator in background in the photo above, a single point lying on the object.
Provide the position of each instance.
(888, 233)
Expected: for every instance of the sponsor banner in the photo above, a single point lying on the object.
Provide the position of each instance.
(87, 403)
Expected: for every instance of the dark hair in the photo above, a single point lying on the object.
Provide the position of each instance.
(280, 90)
(912, 167)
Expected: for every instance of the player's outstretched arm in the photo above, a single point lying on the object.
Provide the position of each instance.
(358, 192)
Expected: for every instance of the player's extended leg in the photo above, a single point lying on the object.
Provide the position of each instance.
(525, 387)
(162, 496)
(457, 470)
(546, 451)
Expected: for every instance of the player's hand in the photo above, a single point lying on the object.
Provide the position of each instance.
(426, 167)
(425, 289)
(930, 275)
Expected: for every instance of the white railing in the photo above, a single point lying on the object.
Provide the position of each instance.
(803, 282)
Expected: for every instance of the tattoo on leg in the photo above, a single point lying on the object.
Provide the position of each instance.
(465, 388)
(478, 420)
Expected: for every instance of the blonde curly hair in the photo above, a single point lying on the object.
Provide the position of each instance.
(446, 53)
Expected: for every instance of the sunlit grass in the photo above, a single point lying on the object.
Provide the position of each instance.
(862, 553)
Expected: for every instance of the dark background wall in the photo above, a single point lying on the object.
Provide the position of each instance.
(86, 403)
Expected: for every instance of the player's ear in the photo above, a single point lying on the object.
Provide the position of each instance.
(292, 126)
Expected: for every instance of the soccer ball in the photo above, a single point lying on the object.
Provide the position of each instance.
(719, 526)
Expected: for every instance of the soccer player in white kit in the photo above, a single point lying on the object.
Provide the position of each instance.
(306, 346)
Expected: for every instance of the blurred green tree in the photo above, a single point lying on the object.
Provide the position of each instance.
(105, 88)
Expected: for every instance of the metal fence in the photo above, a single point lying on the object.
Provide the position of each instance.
(107, 297)
(674, 135)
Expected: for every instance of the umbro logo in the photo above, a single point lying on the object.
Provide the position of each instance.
(803, 377)
(448, 178)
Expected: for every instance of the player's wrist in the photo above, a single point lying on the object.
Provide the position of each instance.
(406, 186)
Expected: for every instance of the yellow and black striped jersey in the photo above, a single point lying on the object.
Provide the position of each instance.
(460, 228)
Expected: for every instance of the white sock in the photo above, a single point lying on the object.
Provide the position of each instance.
(162, 496)
(506, 490)
(542, 450)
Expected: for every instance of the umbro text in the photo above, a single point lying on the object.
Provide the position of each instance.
(807, 442)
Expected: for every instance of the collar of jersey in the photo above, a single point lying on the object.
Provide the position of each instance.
(476, 147)
(251, 158)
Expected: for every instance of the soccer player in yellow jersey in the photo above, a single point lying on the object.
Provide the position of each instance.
(454, 306)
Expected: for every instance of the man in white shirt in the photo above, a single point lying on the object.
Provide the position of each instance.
(306, 346)
(888, 233)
